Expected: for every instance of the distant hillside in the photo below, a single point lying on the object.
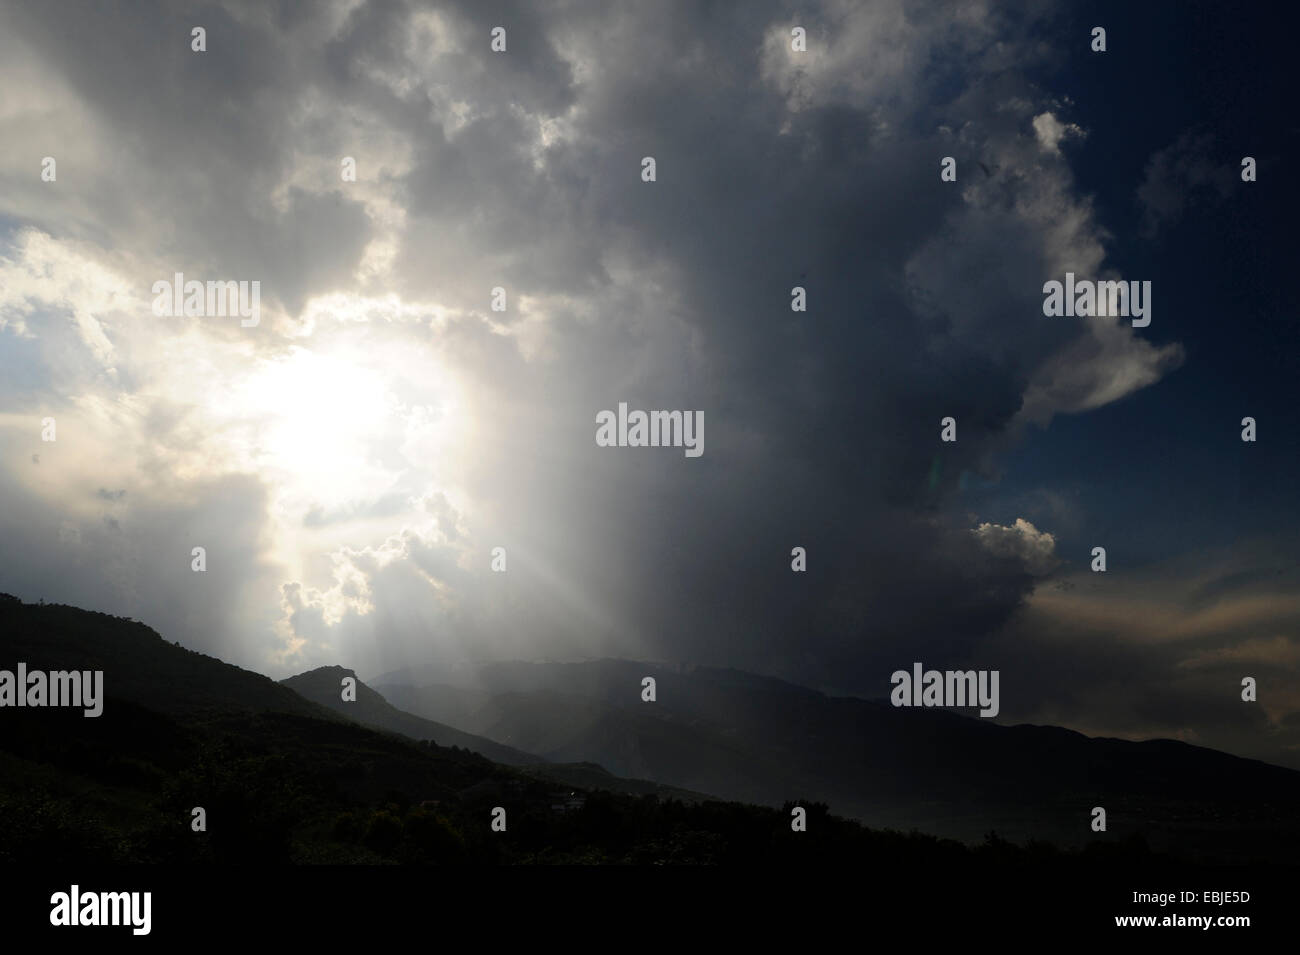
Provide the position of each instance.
(324, 687)
(589, 776)
(758, 739)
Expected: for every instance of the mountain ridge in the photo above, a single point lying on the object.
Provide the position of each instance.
(181, 729)
(958, 776)
(323, 686)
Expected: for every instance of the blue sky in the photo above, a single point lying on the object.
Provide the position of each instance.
(1163, 471)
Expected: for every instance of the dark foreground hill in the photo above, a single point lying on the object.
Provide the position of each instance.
(759, 740)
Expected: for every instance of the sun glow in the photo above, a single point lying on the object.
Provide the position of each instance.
(336, 427)
(320, 416)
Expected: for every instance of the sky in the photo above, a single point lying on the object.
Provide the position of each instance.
(350, 462)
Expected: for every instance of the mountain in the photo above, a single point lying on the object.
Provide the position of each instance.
(324, 687)
(762, 740)
(282, 779)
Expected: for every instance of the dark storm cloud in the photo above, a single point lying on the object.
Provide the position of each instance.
(522, 170)
(822, 428)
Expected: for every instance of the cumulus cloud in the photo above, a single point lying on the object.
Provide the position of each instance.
(1051, 132)
(1023, 541)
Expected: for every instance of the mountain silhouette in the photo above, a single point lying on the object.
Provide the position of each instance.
(757, 739)
(281, 779)
(324, 687)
